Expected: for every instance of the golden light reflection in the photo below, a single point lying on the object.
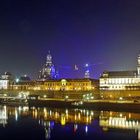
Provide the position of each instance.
(75, 117)
(78, 116)
(63, 119)
(35, 114)
(129, 115)
(56, 115)
(87, 119)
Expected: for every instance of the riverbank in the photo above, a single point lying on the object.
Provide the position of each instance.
(96, 105)
(13, 102)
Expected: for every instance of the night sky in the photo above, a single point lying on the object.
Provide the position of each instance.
(103, 33)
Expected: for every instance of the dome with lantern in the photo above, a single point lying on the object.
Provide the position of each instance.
(48, 71)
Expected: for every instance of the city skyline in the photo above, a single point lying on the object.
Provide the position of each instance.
(75, 68)
(104, 34)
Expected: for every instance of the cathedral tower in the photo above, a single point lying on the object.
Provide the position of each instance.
(48, 71)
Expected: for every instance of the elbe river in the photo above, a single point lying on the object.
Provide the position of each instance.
(24, 123)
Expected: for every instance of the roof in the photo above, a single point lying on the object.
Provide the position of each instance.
(69, 80)
(119, 74)
(24, 78)
(7, 73)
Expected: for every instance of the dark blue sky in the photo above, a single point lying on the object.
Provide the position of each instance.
(104, 33)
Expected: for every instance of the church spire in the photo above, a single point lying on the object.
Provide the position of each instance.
(48, 71)
(49, 58)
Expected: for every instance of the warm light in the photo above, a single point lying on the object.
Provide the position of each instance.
(66, 111)
(87, 119)
(56, 114)
(92, 113)
(75, 117)
(79, 116)
(92, 97)
(37, 88)
(121, 98)
(110, 96)
(121, 115)
(63, 120)
(66, 97)
(45, 96)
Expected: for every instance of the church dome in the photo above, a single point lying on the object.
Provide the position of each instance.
(48, 71)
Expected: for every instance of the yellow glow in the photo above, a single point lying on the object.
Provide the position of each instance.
(56, 114)
(129, 115)
(75, 117)
(87, 119)
(79, 116)
(63, 119)
(35, 114)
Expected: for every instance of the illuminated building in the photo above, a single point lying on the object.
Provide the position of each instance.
(6, 80)
(68, 85)
(121, 80)
(24, 78)
(4, 84)
(48, 71)
(7, 76)
(62, 88)
(23, 83)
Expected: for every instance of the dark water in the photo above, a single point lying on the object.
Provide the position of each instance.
(24, 123)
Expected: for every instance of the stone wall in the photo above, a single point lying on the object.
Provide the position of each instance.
(116, 94)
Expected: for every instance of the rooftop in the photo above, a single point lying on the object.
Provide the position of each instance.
(117, 74)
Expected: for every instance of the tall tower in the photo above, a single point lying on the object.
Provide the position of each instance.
(49, 59)
(87, 73)
(48, 71)
(138, 66)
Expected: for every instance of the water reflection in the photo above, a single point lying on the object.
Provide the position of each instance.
(3, 116)
(120, 120)
(75, 120)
